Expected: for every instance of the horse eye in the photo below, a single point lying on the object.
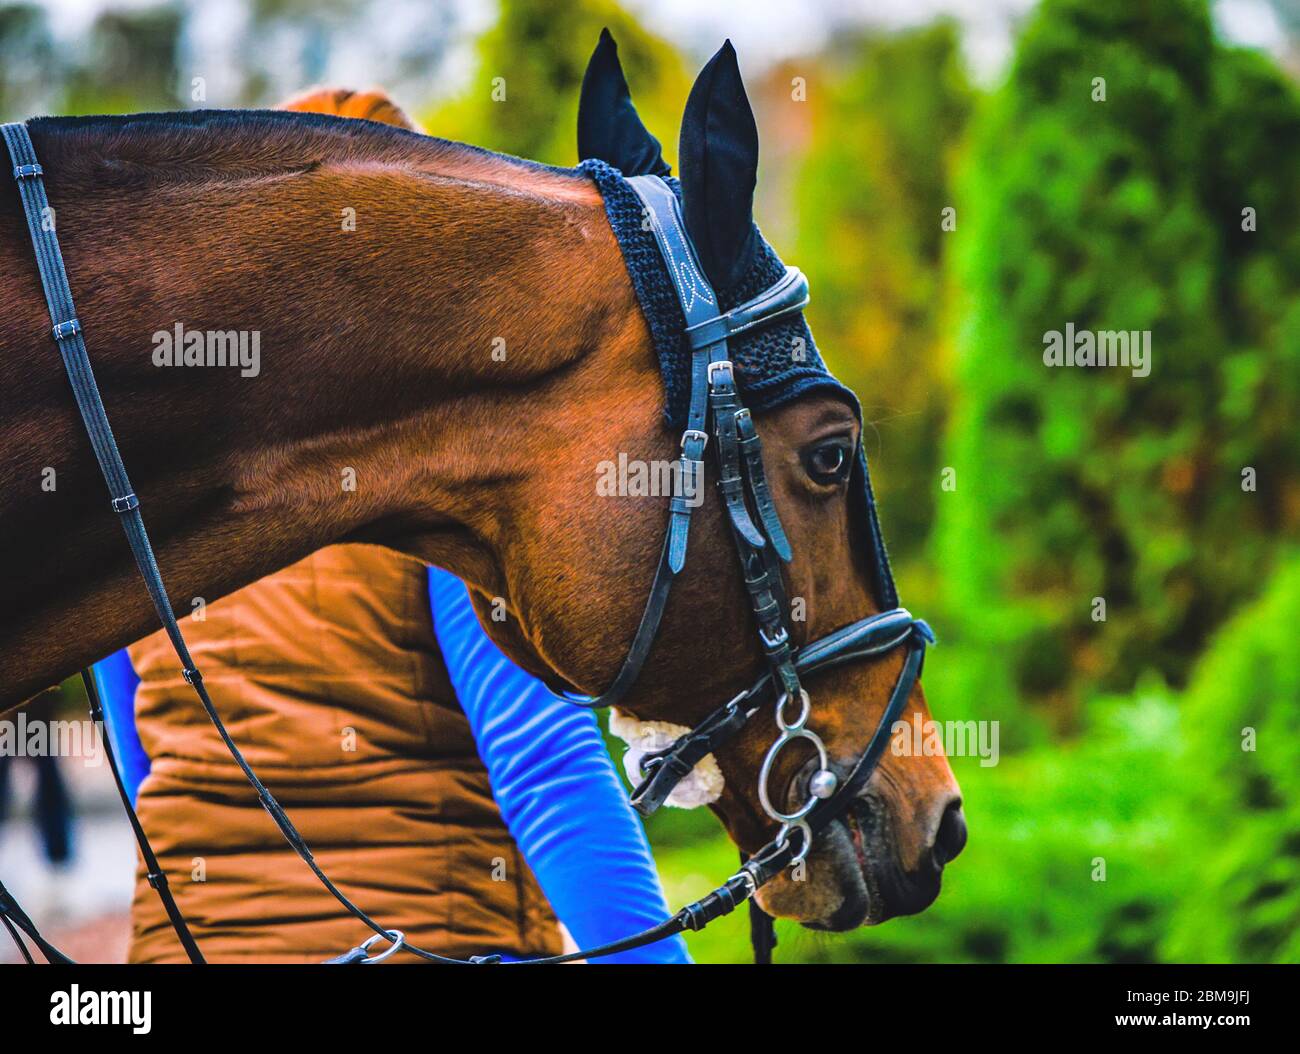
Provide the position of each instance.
(828, 463)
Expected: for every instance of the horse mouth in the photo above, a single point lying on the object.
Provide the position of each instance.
(874, 888)
(857, 829)
(851, 855)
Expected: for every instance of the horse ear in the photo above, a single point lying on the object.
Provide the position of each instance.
(718, 155)
(608, 125)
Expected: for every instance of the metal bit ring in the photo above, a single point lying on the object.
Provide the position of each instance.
(805, 845)
(805, 709)
(765, 774)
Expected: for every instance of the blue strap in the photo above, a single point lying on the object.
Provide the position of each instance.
(556, 786)
(787, 296)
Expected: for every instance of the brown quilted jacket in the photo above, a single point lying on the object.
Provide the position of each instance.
(329, 678)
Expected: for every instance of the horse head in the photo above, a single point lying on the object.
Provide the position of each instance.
(588, 539)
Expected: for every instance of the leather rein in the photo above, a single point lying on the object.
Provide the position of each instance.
(717, 414)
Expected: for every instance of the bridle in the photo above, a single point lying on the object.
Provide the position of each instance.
(716, 414)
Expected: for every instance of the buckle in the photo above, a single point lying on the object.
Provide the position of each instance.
(719, 365)
(695, 433)
(745, 877)
(652, 763)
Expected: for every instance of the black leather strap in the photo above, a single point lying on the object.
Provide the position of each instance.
(787, 296)
(662, 770)
(751, 452)
(154, 873)
(762, 934)
(15, 920)
(724, 404)
(866, 639)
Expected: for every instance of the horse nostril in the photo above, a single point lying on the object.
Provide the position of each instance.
(950, 838)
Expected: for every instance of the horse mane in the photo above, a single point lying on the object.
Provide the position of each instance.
(146, 150)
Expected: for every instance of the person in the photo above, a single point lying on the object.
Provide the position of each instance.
(449, 792)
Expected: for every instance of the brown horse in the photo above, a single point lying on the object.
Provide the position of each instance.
(449, 346)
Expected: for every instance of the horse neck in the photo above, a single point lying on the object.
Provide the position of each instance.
(403, 294)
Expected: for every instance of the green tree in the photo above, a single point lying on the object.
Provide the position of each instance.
(871, 196)
(1105, 188)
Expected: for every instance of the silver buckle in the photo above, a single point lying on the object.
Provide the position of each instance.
(715, 366)
(695, 433)
(747, 876)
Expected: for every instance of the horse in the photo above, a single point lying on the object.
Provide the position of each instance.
(450, 342)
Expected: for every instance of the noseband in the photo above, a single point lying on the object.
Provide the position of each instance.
(716, 415)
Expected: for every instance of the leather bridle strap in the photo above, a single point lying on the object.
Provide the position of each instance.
(707, 334)
(154, 874)
(16, 919)
(865, 639)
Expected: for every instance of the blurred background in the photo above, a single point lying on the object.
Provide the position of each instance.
(1162, 742)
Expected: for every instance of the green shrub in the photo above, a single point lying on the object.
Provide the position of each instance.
(1241, 828)
(1073, 484)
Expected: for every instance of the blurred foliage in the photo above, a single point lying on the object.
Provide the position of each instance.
(1124, 821)
(27, 57)
(131, 63)
(1073, 483)
(523, 98)
(888, 116)
(1242, 800)
(186, 53)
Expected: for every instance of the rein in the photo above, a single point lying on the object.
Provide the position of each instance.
(717, 414)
